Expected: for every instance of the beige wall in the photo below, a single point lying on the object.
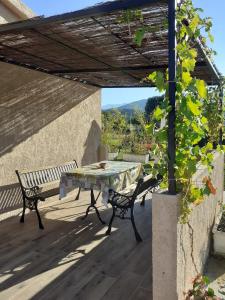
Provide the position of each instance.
(14, 10)
(180, 252)
(6, 15)
(44, 120)
(164, 246)
(195, 239)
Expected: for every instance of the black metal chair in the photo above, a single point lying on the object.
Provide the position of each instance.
(125, 200)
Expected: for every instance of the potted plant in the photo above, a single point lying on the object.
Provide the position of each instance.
(135, 151)
(110, 143)
(138, 154)
(113, 152)
(201, 290)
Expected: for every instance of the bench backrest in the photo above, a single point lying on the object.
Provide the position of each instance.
(146, 183)
(28, 179)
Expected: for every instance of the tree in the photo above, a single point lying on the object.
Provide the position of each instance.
(114, 121)
(138, 118)
(139, 122)
(151, 105)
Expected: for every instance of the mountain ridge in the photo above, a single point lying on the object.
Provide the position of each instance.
(129, 107)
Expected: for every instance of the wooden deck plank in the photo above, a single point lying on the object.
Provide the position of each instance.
(142, 294)
(72, 258)
(124, 287)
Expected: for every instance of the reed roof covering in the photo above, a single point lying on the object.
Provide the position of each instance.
(92, 46)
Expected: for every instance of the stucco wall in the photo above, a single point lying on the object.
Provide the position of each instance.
(14, 10)
(164, 246)
(44, 120)
(195, 239)
(6, 15)
(186, 246)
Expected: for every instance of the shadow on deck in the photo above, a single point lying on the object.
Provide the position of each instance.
(215, 271)
(72, 258)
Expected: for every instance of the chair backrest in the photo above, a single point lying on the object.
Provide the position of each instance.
(147, 183)
(28, 179)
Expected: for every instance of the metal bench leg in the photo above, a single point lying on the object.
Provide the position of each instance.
(23, 212)
(111, 221)
(98, 215)
(137, 235)
(38, 215)
(87, 211)
(143, 201)
(78, 194)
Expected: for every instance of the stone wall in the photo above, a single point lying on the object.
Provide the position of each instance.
(185, 246)
(44, 120)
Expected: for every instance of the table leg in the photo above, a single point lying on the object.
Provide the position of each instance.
(93, 202)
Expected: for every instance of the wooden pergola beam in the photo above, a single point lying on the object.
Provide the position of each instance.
(114, 69)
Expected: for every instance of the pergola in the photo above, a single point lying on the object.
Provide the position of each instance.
(91, 46)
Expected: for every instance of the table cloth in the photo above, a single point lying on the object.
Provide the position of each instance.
(117, 175)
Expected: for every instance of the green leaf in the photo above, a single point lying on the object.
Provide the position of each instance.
(201, 88)
(209, 146)
(158, 79)
(206, 191)
(186, 78)
(206, 280)
(139, 36)
(196, 128)
(160, 83)
(152, 76)
(195, 193)
(196, 150)
(193, 53)
(189, 64)
(194, 23)
(204, 120)
(194, 108)
(210, 292)
(200, 9)
(211, 37)
(191, 166)
(196, 140)
(150, 129)
(158, 113)
(162, 135)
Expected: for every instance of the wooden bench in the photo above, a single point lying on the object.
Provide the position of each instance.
(124, 200)
(41, 184)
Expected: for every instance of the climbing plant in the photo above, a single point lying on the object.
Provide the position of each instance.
(198, 118)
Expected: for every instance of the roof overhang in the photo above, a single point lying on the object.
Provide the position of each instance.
(91, 45)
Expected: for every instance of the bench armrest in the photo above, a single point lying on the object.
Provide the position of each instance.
(113, 194)
(32, 191)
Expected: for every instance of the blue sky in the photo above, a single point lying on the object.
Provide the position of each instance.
(212, 8)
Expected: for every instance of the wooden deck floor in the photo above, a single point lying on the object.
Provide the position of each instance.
(72, 258)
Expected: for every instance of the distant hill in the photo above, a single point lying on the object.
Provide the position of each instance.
(110, 106)
(129, 108)
(140, 104)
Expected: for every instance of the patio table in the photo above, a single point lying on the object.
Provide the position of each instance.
(117, 175)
